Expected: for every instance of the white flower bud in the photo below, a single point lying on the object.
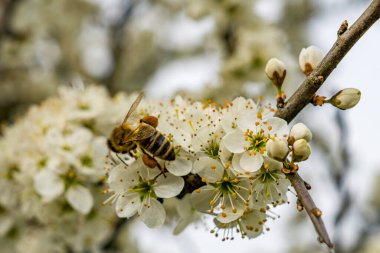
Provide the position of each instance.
(309, 59)
(301, 150)
(276, 71)
(346, 99)
(300, 131)
(277, 149)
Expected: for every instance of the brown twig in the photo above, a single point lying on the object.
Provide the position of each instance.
(307, 90)
(312, 210)
(342, 45)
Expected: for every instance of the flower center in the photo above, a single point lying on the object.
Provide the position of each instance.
(87, 161)
(213, 150)
(267, 177)
(144, 188)
(257, 141)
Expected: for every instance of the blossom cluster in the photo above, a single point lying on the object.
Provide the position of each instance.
(52, 171)
(230, 163)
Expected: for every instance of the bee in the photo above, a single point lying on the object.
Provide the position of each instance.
(124, 138)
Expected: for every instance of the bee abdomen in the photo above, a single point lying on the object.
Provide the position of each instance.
(159, 146)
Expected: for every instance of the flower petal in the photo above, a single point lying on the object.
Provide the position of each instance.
(225, 155)
(168, 186)
(181, 166)
(154, 214)
(251, 163)
(248, 120)
(128, 204)
(235, 141)
(278, 125)
(253, 223)
(48, 185)
(200, 198)
(211, 169)
(237, 169)
(122, 177)
(80, 198)
(200, 138)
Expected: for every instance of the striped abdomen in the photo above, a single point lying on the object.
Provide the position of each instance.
(159, 146)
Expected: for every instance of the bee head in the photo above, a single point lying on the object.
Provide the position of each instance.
(119, 134)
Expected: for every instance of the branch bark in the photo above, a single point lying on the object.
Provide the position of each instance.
(312, 210)
(305, 93)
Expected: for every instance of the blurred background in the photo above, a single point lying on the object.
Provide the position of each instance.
(212, 49)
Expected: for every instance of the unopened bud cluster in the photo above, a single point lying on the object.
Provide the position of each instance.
(297, 146)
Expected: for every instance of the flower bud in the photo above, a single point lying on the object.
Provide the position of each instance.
(300, 131)
(277, 149)
(276, 71)
(309, 59)
(346, 99)
(301, 150)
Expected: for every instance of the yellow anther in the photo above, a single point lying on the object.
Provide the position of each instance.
(225, 179)
(223, 207)
(212, 202)
(266, 166)
(234, 210)
(259, 116)
(257, 123)
(213, 167)
(198, 190)
(203, 179)
(270, 128)
(224, 215)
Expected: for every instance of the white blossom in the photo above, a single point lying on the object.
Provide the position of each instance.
(136, 189)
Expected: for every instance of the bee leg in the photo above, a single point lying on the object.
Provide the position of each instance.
(150, 120)
(149, 161)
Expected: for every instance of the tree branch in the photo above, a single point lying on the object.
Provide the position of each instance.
(312, 210)
(304, 94)
(342, 45)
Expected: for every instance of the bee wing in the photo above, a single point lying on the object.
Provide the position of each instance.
(133, 106)
(142, 132)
